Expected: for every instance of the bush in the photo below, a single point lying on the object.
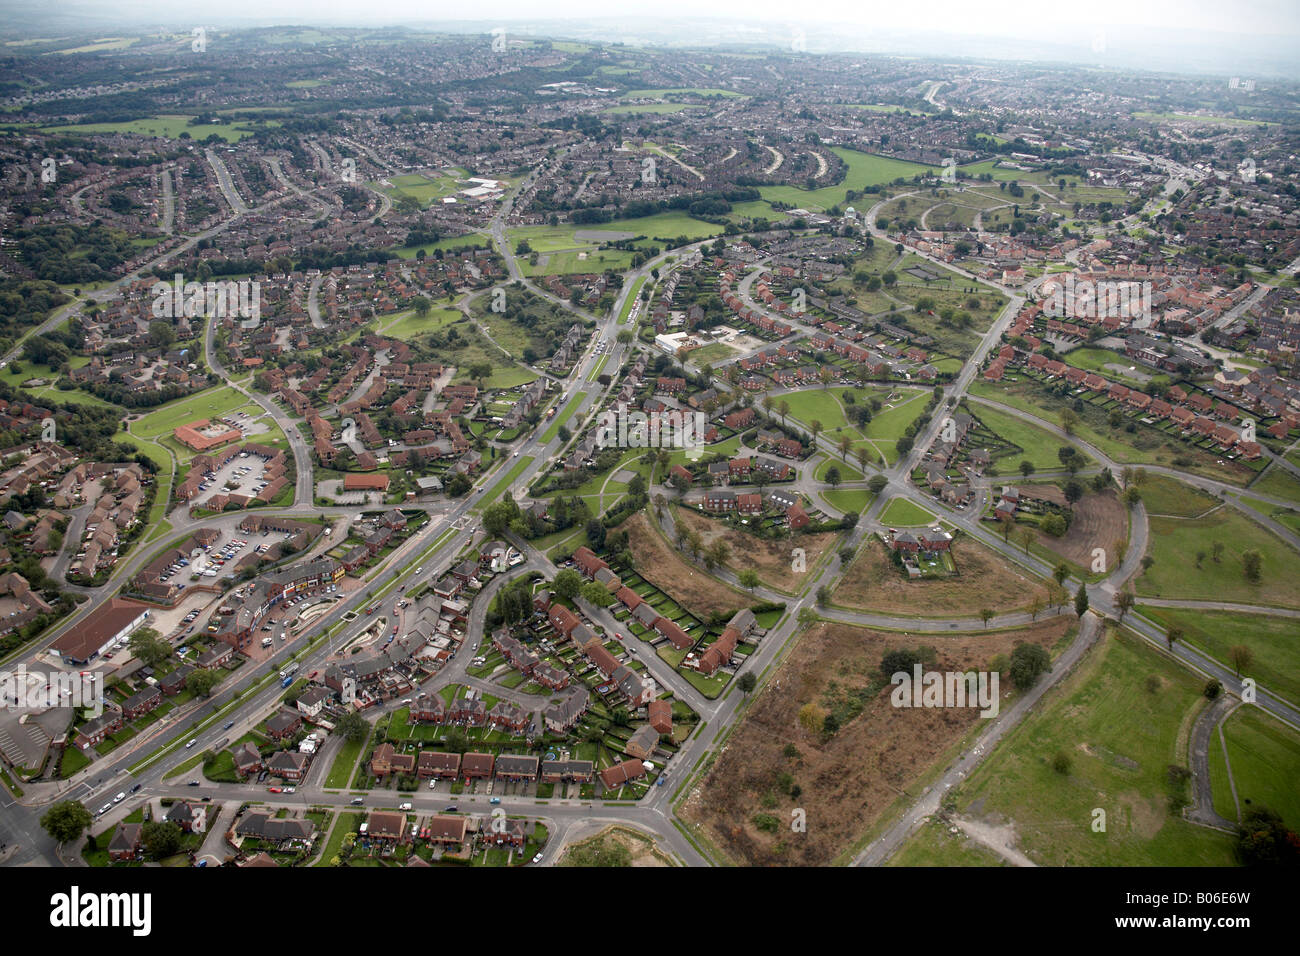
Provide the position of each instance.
(1061, 763)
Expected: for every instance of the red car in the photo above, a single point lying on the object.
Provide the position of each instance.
(272, 789)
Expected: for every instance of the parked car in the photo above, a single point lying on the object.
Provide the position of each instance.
(403, 806)
(495, 800)
(357, 801)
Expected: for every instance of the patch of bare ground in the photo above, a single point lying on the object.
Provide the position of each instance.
(1100, 521)
(663, 567)
(615, 846)
(770, 558)
(847, 781)
(984, 579)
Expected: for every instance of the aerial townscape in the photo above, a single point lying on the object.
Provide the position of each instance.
(511, 447)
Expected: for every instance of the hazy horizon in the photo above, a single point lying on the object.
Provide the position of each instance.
(1255, 37)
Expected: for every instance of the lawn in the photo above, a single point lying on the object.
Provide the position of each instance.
(900, 512)
(345, 762)
(1119, 736)
(1175, 543)
(563, 416)
(856, 500)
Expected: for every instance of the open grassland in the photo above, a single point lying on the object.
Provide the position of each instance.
(1273, 641)
(1264, 758)
(1118, 735)
(1175, 544)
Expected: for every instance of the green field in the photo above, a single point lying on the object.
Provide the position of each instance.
(1279, 484)
(678, 91)
(424, 188)
(901, 513)
(864, 169)
(169, 127)
(1120, 737)
(1038, 447)
(1264, 755)
(1168, 496)
(405, 325)
(1270, 638)
(1176, 541)
(1193, 118)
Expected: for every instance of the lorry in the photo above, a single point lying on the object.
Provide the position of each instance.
(287, 681)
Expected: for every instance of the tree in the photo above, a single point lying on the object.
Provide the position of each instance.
(986, 615)
(1026, 467)
(1124, 601)
(1028, 661)
(200, 682)
(1216, 551)
(1264, 840)
(877, 484)
(1251, 563)
(457, 741)
(567, 584)
(422, 306)
(596, 534)
(160, 838)
(1035, 608)
(747, 682)
(1173, 635)
(148, 648)
(833, 477)
(1081, 600)
(66, 821)
(1241, 657)
(1132, 497)
(748, 578)
(1061, 572)
(593, 592)
(1073, 491)
(353, 727)
(498, 515)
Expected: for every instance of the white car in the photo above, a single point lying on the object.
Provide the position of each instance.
(403, 806)
(119, 798)
(193, 741)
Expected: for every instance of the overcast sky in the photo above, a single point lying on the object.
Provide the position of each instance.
(1241, 36)
(989, 17)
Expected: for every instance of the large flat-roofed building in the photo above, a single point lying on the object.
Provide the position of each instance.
(91, 637)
